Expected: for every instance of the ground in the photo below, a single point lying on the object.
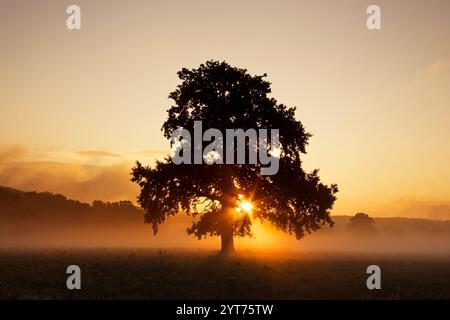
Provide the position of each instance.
(177, 274)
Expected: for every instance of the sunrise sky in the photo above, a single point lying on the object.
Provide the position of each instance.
(77, 108)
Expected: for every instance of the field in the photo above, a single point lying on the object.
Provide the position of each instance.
(177, 274)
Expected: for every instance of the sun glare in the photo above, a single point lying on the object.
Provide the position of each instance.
(244, 206)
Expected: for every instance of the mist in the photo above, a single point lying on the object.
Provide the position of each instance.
(96, 231)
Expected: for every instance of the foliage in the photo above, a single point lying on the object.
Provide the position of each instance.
(225, 97)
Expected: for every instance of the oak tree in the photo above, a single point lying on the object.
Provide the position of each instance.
(225, 199)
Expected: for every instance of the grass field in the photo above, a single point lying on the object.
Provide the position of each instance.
(176, 274)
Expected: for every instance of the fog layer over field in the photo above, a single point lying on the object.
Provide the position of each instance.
(46, 220)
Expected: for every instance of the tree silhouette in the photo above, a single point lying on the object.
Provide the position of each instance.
(225, 97)
(361, 225)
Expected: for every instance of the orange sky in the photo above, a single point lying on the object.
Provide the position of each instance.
(78, 107)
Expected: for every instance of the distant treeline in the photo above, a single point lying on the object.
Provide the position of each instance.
(22, 206)
(395, 226)
(29, 218)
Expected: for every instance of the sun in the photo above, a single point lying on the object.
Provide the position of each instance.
(244, 206)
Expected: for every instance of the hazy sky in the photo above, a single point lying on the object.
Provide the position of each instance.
(77, 107)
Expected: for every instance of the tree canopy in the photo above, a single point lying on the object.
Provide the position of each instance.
(361, 224)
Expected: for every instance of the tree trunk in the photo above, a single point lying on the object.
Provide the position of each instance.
(228, 214)
(227, 242)
(226, 236)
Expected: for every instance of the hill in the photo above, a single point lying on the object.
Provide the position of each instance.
(42, 217)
